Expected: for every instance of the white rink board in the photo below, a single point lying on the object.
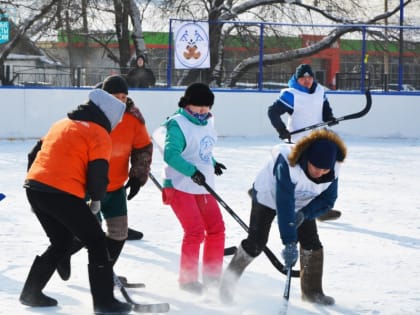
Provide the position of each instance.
(28, 112)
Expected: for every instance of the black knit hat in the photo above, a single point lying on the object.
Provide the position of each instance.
(304, 70)
(142, 57)
(115, 84)
(323, 154)
(198, 94)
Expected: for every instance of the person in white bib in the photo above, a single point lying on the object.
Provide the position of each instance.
(306, 104)
(189, 163)
(297, 184)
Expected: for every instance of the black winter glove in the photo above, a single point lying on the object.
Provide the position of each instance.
(284, 134)
(33, 153)
(198, 178)
(134, 184)
(218, 168)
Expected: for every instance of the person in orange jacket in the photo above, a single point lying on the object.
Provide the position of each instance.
(131, 157)
(72, 160)
(131, 141)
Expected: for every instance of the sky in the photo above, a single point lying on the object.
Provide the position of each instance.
(371, 252)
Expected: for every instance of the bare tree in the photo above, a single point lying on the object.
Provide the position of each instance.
(292, 11)
(122, 12)
(136, 19)
(326, 42)
(42, 17)
(74, 17)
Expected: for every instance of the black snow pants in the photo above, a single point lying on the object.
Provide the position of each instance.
(63, 217)
(259, 229)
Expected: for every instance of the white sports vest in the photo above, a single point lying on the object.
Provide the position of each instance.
(307, 110)
(305, 189)
(200, 141)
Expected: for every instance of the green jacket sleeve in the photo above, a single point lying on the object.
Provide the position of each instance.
(174, 145)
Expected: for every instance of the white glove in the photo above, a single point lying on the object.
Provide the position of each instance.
(95, 206)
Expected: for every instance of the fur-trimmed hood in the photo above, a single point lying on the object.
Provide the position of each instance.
(300, 149)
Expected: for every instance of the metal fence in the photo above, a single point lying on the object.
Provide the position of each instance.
(378, 57)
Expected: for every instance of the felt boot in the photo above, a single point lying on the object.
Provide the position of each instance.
(114, 249)
(330, 215)
(134, 235)
(233, 272)
(102, 289)
(311, 265)
(194, 287)
(40, 273)
(64, 265)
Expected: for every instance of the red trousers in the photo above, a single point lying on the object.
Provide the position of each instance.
(201, 220)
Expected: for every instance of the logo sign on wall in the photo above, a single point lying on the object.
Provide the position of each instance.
(4, 29)
(192, 48)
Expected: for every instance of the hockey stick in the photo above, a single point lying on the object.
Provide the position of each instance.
(359, 114)
(287, 290)
(228, 251)
(130, 285)
(137, 307)
(155, 181)
(273, 259)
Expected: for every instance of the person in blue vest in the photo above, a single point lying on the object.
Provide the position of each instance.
(298, 184)
(306, 104)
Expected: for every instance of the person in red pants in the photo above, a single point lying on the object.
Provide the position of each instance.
(189, 163)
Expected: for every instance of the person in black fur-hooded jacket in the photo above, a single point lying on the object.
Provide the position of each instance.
(298, 184)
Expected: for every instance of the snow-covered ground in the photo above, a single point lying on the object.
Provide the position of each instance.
(372, 252)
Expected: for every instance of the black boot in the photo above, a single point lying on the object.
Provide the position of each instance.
(40, 273)
(64, 266)
(330, 215)
(233, 272)
(311, 265)
(102, 288)
(114, 249)
(134, 235)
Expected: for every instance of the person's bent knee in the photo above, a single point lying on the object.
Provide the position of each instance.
(117, 228)
(251, 248)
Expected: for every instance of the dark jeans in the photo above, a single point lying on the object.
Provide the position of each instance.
(63, 217)
(259, 229)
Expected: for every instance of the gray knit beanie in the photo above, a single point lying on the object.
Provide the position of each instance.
(112, 107)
